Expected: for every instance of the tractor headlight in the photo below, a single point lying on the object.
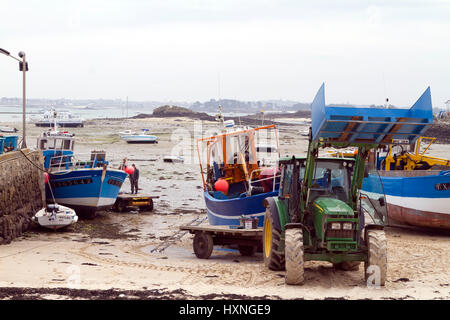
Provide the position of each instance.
(347, 226)
(335, 226)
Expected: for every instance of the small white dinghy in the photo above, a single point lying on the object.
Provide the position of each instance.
(173, 159)
(55, 216)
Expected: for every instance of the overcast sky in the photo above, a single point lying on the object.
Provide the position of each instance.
(186, 50)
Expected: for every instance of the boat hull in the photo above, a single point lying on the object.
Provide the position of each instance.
(228, 211)
(142, 138)
(86, 190)
(62, 218)
(414, 198)
(60, 124)
(141, 141)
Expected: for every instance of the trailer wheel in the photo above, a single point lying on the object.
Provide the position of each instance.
(247, 251)
(203, 245)
(347, 265)
(273, 258)
(294, 256)
(148, 207)
(375, 268)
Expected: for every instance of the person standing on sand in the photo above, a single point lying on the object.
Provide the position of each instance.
(123, 165)
(134, 179)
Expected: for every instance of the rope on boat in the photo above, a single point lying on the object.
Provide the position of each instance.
(49, 186)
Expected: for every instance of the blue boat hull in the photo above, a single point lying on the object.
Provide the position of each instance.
(413, 198)
(228, 211)
(85, 190)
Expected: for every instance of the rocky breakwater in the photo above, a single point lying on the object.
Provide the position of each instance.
(22, 191)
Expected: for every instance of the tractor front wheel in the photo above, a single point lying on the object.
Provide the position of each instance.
(273, 258)
(294, 256)
(376, 266)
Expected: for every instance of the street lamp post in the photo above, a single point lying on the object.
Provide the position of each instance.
(23, 66)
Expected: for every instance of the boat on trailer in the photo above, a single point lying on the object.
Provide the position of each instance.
(232, 158)
(87, 185)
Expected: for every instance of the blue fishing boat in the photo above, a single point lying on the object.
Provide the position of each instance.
(416, 186)
(86, 186)
(235, 182)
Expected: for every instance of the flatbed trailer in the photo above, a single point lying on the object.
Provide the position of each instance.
(205, 237)
(142, 201)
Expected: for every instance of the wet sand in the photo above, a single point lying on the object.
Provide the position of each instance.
(109, 257)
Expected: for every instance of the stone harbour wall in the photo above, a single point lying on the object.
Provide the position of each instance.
(22, 191)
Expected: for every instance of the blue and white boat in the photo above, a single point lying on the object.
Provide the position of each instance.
(86, 186)
(416, 193)
(143, 137)
(232, 157)
(418, 198)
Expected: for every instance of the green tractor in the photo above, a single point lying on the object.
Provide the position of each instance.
(320, 212)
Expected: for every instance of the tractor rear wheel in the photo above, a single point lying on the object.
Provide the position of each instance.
(273, 258)
(347, 265)
(375, 268)
(294, 256)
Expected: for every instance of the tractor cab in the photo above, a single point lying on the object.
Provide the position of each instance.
(332, 222)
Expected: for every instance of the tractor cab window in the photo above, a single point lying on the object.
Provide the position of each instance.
(286, 179)
(331, 178)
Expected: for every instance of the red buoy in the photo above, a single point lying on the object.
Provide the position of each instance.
(129, 169)
(221, 185)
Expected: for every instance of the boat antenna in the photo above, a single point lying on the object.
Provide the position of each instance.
(386, 105)
(219, 115)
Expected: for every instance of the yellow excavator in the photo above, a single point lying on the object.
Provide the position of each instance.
(407, 160)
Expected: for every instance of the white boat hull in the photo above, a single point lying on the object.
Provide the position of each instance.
(140, 139)
(56, 219)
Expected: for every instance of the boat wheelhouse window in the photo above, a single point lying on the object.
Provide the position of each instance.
(62, 144)
(268, 149)
(216, 152)
(43, 144)
(51, 144)
(239, 149)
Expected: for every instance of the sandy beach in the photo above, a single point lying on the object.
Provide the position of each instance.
(113, 251)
